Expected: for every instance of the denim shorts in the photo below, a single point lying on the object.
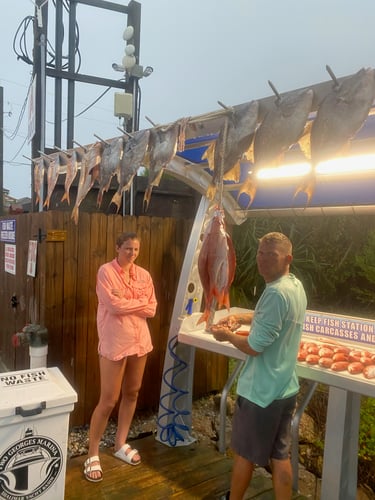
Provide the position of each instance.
(259, 434)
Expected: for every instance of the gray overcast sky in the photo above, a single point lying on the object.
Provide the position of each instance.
(202, 51)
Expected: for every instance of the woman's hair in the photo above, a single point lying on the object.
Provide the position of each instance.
(126, 236)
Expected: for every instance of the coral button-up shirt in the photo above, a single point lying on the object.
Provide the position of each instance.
(122, 321)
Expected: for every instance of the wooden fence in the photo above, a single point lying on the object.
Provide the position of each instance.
(62, 297)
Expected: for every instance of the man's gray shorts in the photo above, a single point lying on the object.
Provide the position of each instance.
(259, 434)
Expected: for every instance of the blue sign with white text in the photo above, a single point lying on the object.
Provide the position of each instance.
(8, 230)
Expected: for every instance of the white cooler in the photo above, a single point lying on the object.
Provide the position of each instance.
(34, 422)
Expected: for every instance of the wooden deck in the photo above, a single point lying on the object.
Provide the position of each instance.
(197, 471)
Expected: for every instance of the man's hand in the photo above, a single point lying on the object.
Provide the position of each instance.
(221, 332)
(229, 322)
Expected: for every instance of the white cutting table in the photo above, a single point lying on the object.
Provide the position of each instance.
(339, 479)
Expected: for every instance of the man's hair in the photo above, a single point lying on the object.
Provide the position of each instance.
(278, 239)
(126, 236)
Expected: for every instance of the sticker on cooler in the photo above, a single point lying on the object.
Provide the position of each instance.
(30, 466)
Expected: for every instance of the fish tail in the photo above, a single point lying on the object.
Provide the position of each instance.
(307, 187)
(249, 187)
(211, 191)
(116, 200)
(204, 317)
(305, 141)
(234, 173)
(75, 213)
(66, 197)
(147, 198)
(99, 198)
(222, 297)
(209, 156)
(226, 301)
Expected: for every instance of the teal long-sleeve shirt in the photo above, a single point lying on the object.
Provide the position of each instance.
(275, 333)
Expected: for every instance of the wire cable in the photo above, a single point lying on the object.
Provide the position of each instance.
(93, 103)
(13, 135)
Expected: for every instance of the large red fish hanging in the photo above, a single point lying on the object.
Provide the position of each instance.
(216, 266)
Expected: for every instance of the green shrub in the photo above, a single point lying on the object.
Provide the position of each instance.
(367, 430)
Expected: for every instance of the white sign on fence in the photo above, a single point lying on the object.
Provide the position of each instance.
(31, 258)
(10, 258)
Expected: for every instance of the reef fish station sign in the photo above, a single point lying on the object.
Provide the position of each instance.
(339, 327)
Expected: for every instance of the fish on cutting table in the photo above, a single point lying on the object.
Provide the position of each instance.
(283, 125)
(56, 161)
(234, 140)
(162, 146)
(339, 117)
(132, 158)
(216, 266)
(74, 162)
(89, 173)
(40, 166)
(109, 165)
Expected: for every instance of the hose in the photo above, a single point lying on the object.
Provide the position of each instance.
(171, 433)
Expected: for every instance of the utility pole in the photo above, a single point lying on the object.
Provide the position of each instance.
(1, 151)
(39, 72)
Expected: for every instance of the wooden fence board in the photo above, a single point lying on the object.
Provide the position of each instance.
(54, 288)
(83, 265)
(96, 256)
(70, 263)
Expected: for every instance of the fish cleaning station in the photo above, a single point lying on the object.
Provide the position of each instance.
(339, 189)
(302, 153)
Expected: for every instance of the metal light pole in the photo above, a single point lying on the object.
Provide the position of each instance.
(133, 72)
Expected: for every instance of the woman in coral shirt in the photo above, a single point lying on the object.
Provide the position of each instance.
(126, 298)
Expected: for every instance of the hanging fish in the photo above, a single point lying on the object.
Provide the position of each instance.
(89, 173)
(109, 165)
(74, 162)
(56, 160)
(234, 140)
(132, 158)
(40, 166)
(162, 145)
(283, 125)
(216, 265)
(339, 117)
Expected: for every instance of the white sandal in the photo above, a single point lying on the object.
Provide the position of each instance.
(90, 466)
(127, 457)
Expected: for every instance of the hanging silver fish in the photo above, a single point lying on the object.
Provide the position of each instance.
(89, 173)
(163, 145)
(56, 160)
(234, 140)
(40, 167)
(339, 117)
(109, 165)
(74, 162)
(282, 126)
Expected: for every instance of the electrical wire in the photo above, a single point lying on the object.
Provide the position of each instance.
(20, 43)
(13, 135)
(93, 103)
(19, 151)
(22, 53)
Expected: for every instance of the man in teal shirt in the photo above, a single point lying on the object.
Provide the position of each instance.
(268, 384)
